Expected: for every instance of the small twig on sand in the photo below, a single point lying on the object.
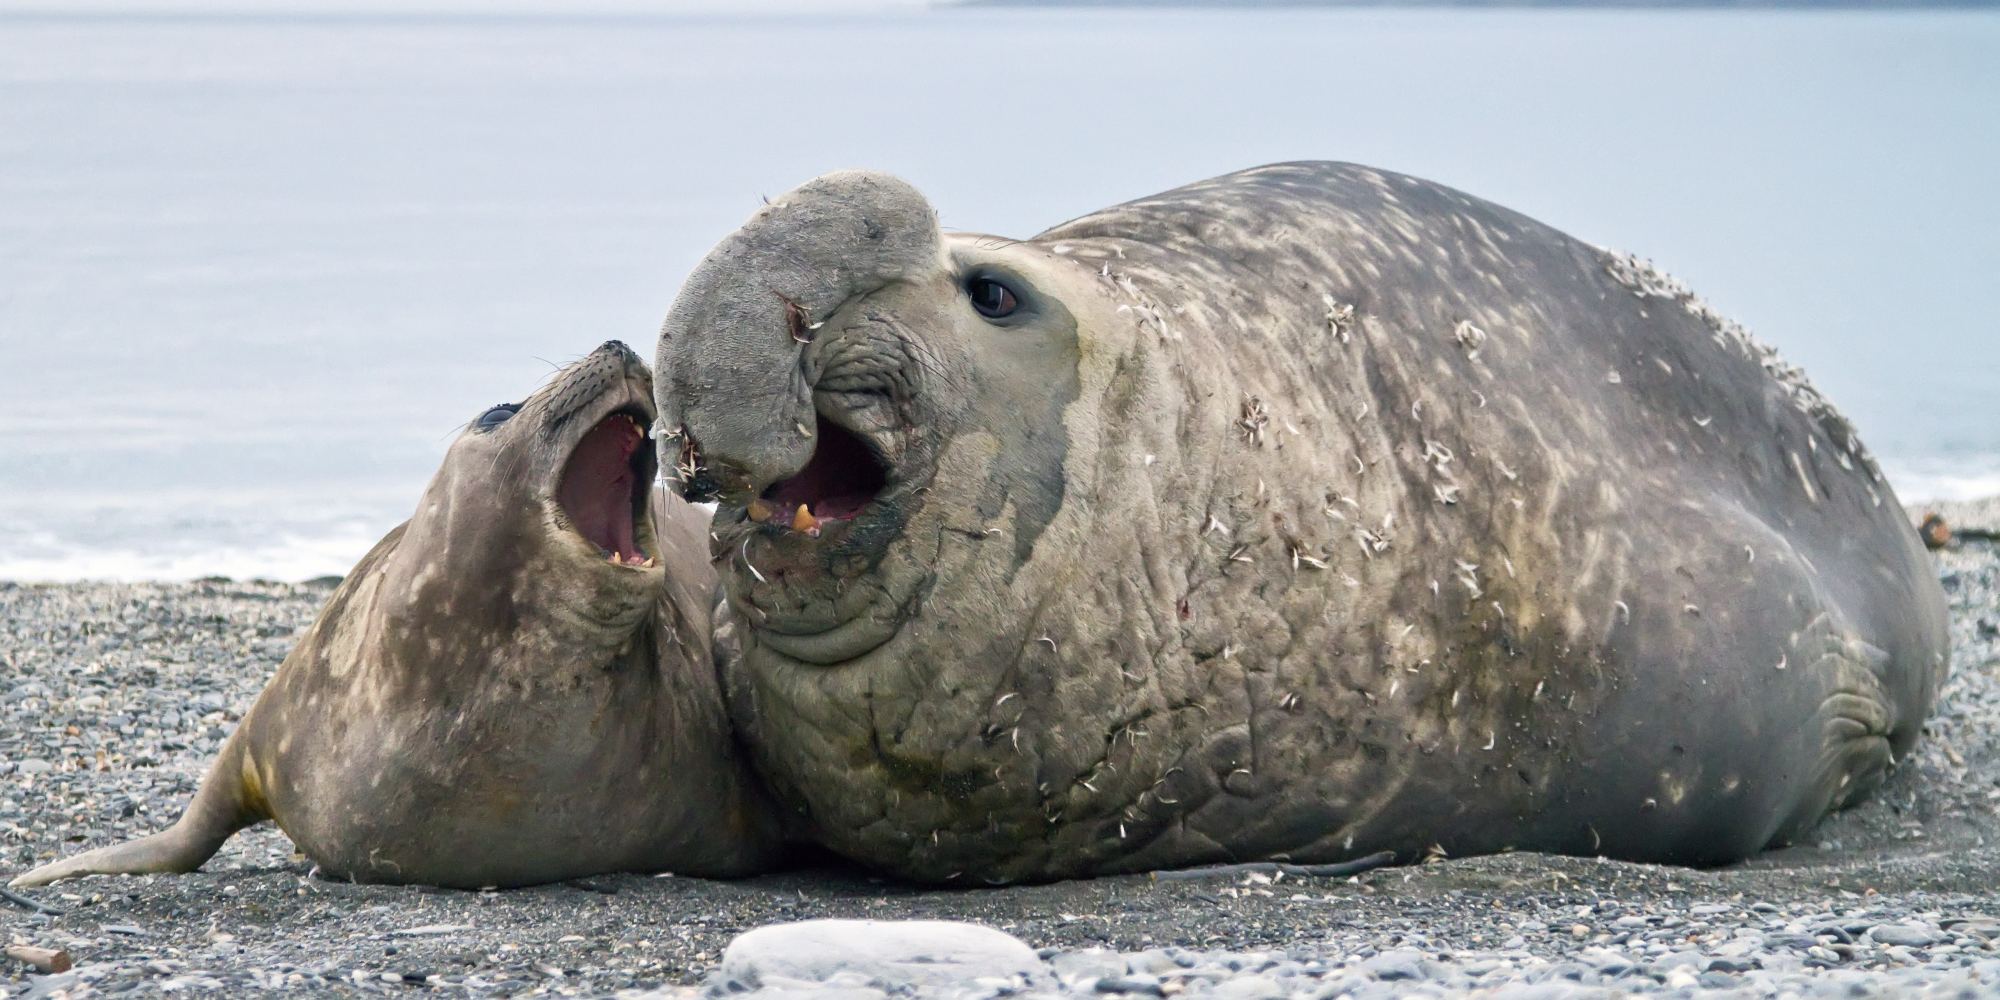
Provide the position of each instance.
(45, 961)
(30, 905)
(1344, 868)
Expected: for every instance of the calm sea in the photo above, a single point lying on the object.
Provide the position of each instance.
(254, 272)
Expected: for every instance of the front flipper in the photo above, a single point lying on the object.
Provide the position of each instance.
(1854, 722)
(228, 801)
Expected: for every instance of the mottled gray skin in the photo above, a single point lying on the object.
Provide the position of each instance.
(1302, 513)
(486, 700)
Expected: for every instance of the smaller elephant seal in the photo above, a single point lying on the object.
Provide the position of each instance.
(515, 686)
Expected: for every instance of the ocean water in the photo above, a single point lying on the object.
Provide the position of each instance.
(256, 271)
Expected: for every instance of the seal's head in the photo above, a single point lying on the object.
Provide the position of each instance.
(917, 441)
(547, 501)
(848, 382)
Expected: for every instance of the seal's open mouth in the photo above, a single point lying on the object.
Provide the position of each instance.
(843, 476)
(605, 485)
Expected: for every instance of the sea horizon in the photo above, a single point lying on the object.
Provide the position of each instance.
(256, 271)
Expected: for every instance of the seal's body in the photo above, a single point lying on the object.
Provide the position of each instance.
(515, 686)
(1302, 513)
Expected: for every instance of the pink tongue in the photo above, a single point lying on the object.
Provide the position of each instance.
(596, 489)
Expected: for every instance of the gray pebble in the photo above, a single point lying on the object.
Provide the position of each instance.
(1088, 966)
(1136, 985)
(866, 954)
(1153, 962)
(1395, 965)
(1247, 987)
(1906, 935)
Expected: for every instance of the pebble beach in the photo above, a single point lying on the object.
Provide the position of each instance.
(114, 697)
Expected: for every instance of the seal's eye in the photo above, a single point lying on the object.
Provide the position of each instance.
(496, 416)
(993, 299)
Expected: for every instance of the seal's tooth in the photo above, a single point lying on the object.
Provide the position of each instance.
(760, 511)
(804, 521)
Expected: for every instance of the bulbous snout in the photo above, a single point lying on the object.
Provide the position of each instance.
(735, 400)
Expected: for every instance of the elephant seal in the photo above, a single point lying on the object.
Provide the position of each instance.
(1302, 513)
(515, 686)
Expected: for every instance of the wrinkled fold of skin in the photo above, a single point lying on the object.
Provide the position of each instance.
(1301, 513)
(515, 686)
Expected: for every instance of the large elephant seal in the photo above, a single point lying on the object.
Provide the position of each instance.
(515, 686)
(1301, 513)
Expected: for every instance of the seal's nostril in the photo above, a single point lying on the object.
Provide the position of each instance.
(689, 474)
(797, 322)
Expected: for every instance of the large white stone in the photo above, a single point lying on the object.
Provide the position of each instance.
(931, 957)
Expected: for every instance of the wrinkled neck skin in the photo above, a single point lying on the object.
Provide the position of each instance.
(1031, 566)
(468, 561)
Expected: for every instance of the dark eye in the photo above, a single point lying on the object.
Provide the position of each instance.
(496, 416)
(993, 299)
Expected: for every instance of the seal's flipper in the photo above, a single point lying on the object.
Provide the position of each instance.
(1856, 722)
(228, 801)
